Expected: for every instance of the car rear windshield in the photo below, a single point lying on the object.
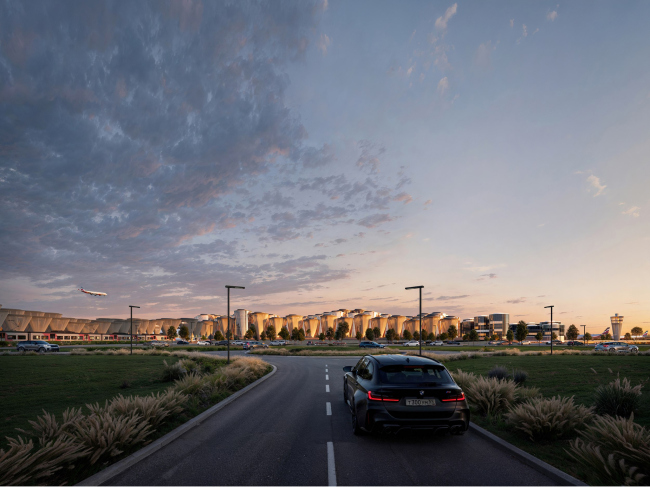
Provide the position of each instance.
(411, 374)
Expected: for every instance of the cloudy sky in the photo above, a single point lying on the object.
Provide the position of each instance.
(326, 154)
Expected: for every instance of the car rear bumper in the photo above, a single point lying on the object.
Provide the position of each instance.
(383, 422)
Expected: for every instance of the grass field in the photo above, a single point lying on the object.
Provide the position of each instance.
(564, 375)
(54, 383)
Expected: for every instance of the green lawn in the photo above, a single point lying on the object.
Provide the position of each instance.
(565, 375)
(54, 383)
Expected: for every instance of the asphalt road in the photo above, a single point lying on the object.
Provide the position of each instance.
(278, 434)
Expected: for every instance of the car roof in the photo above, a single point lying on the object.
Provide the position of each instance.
(390, 359)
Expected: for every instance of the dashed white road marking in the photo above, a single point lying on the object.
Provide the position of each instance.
(331, 466)
(327, 377)
(326, 370)
(328, 408)
(327, 388)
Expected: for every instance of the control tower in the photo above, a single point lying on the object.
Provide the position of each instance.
(617, 326)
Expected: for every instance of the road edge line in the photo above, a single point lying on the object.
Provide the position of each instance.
(331, 465)
(550, 471)
(117, 468)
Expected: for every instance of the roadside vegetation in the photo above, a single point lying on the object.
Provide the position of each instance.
(584, 414)
(102, 406)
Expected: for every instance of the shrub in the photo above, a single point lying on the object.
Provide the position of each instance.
(153, 409)
(618, 398)
(498, 372)
(491, 396)
(525, 393)
(519, 376)
(173, 371)
(614, 451)
(125, 384)
(20, 465)
(463, 379)
(549, 419)
(191, 384)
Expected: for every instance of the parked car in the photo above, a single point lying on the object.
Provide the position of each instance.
(203, 342)
(555, 342)
(250, 345)
(616, 347)
(277, 343)
(574, 343)
(182, 342)
(236, 342)
(412, 343)
(368, 344)
(454, 343)
(157, 343)
(40, 346)
(399, 392)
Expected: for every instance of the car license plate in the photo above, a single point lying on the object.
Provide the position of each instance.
(420, 402)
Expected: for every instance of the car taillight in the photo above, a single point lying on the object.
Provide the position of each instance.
(459, 397)
(381, 397)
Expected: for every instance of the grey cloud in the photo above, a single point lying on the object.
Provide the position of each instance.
(372, 221)
(491, 275)
(516, 301)
(447, 298)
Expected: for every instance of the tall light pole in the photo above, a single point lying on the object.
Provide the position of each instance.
(551, 306)
(131, 306)
(420, 288)
(228, 332)
(584, 332)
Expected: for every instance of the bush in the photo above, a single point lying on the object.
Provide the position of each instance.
(173, 371)
(618, 398)
(613, 451)
(191, 384)
(490, 396)
(463, 379)
(549, 419)
(519, 376)
(498, 372)
(525, 393)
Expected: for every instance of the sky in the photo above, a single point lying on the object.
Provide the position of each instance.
(326, 154)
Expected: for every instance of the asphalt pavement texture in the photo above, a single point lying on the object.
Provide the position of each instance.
(278, 434)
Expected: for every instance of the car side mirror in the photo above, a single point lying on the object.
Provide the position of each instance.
(347, 368)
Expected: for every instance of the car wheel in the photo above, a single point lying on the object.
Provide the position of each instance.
(356, 429)
(21, 349)
(41, 350)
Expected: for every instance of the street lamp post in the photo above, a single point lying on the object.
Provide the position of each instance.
(420, 288)
(584, 332)
(228, 317)
(551, 306)
(130, 306)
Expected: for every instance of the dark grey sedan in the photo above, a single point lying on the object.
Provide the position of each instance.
(400, 392)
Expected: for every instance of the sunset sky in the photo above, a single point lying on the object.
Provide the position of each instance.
(326, 155)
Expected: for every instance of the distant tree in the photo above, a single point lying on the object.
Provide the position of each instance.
(330, 333)
(184, 332)
(587, 337)
(431, 336)
(494, 336)
(171, 333)
(263, 335)
(452, 332)
(253, 329)
(344, 327)
(636, 331)
(606, 336)
(521, 332)
(627, 337)
(377, 332)
(416, 335)
(218, 336)
(539, 337)
(444, 336)
(553, 336)
(390, 335)
(301, 335)
(284, 333)
(295, 334)
(249, 334)
(572, 332)
(466, 337)
(270, 332)
(407, 335)
(202, 337)
(473, 335)
(337, 335)
(359, 336)
(321, 337)
(210, 337)
(510, 336)
(370, 335)
(229, 334)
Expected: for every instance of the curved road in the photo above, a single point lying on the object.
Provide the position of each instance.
(278, 434)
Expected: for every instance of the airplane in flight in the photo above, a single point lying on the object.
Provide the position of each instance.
(92, 293)
(596, 336)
